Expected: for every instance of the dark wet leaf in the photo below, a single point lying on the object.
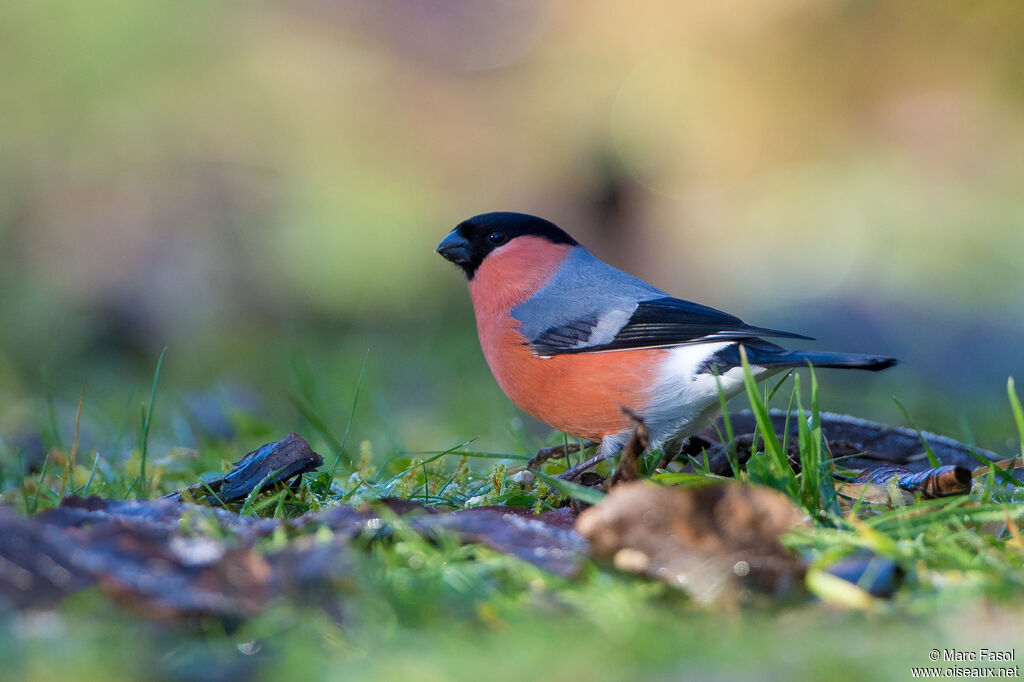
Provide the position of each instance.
(711, 541)
(165, 575)
(168, 559)
(270, 464)
(548, 546)
(559, 518)
(160, 513)
(36, 567)
(315, 572)
(854, 443)
(877, 576)
(163, 559)
(264, 467)
(563, 517)
(941, 481)
(346, 521)
(139, 562)
(546, 540)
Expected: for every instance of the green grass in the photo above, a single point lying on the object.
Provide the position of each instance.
(414, 609)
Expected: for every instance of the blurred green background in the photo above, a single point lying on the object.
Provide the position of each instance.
(259, 186)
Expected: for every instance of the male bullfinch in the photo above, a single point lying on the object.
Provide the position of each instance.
(577, 343)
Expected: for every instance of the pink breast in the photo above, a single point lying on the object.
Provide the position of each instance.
(582, 394)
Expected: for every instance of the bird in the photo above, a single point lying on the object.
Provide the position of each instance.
(589, 349)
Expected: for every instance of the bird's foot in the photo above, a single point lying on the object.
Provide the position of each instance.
(573, 473)
(556, 451)
(688, 447)
(627, 470)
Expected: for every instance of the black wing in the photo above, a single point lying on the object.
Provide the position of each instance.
(658, 322)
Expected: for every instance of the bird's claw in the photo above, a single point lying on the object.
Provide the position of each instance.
(556, 451)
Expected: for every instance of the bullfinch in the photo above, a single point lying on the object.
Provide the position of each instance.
(582, 345)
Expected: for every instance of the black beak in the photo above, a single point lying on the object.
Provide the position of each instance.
(455, 248)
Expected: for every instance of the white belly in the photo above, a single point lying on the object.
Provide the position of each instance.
(684, 401)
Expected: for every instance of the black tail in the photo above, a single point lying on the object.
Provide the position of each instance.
(766, 356)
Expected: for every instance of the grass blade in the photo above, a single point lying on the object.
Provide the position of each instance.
(933, 461)
(779, 470)
(573, 490)
(147, 418)
(33, 504)
(348, 426)
(51, 413)
(477, 455)
(1018, 413)
(69, 468)
(730, 452)
(829, 498)
(92, 474)
(810, 457)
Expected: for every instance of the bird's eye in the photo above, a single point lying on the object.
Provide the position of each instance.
(496, 237)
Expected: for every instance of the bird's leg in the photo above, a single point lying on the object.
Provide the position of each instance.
(573, 473)
(610, 446)
(556, 451)
(671, 450)
(685, 447)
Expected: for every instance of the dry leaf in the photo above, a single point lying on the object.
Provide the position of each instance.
(709, 541)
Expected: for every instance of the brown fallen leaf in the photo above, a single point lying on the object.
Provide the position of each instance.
(712, 542)
(1013, 467)
(629, 461)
